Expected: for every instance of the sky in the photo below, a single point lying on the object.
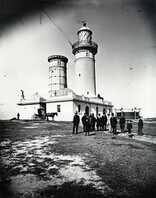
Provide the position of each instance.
(125, 31)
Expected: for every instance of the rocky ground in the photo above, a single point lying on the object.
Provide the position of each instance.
(43, 160)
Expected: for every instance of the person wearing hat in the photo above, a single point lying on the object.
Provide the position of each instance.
(113, 122)
(122, 123)
(76, 121)
(129, 127)
(84, 122)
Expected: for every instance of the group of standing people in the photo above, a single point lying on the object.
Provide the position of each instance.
(130, 126)
(101, 122)
(90, 123)
(104, 123)
(122, 123)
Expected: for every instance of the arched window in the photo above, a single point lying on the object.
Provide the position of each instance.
(97, 111)
(87, 110)
(79, 108)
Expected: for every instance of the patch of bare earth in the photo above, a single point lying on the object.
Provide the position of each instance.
(44, 159)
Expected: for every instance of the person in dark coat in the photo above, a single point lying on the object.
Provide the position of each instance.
(84, 122)
(101, 123)
(18, 116)
(122, 124)
(104, 122)
(76, 121)
(113, 121)
(140, 126)
(98, 122)
(88, 125)
(129, 126)
(93, 120)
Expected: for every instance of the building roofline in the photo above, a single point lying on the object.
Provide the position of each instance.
(70, 97)
(30, 103)
(74, 99)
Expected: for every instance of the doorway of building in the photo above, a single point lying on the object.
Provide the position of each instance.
(87, 110)
(104, 110)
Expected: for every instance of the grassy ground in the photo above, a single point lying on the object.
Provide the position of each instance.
(43, 159)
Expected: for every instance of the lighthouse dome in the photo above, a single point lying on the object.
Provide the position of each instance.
(84, 28)
(84, 34)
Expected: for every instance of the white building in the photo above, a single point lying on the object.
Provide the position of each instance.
(129, 113)
(62, 101)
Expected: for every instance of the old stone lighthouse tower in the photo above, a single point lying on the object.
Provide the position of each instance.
(57, 74)
(84, 50)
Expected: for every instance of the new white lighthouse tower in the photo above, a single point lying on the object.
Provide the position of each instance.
(84, 50)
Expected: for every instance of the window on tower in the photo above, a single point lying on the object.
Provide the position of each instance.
(55, 92)
(87, 92)
(87, 53)
(79, 74)
(58, 62)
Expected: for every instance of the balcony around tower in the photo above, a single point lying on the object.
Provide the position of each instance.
(91, 46)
